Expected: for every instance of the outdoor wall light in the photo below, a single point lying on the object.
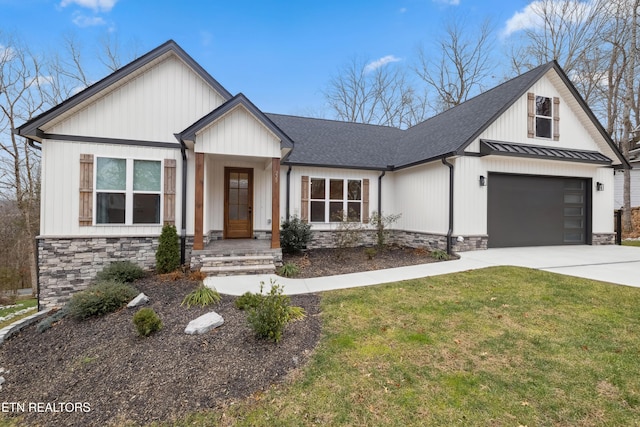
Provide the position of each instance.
(599, 186)
(483, 181)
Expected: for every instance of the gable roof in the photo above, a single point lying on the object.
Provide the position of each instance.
(30, 129)
(189, 134)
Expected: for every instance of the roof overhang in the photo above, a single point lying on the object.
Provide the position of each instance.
(499, 148)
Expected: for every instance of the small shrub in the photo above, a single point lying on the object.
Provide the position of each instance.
(202, 296)
(48, 321)
(120, 271)
(382, 224)
(347, 234)
(248, 300)
(197, 276)
(370, 253)
(289, 269)
(100, 299)
(168, 252)
(270, 317)
(439, 254)
(294, 235)
(147, 322)
(173, 276)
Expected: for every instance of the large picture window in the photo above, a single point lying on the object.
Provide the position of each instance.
(334, 200)
(128, 191)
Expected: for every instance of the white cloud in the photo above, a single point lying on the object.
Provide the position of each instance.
(88, 21)
(530, 17)
(96, 5)
(403, 10)
(374, 65)
(6, 53)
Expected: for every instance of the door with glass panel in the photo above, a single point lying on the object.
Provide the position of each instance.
(238, 203)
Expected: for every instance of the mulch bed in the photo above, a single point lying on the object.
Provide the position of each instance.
(328, 262)
(122, 377)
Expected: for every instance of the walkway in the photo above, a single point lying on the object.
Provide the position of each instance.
(615, 264)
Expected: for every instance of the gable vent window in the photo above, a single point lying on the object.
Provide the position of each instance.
(544, 118)
(128, 191)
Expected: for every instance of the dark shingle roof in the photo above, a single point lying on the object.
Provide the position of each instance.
(322, 142)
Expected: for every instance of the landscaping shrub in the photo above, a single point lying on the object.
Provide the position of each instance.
(294, 235)
(201, 296)
(48, 321)
(248, 300)
(439, 254)
(289, 269)
(147, 322)
(271, 315)
(382, 224)
(370, 253)
(102, 298)
(120, 271)
(168, 253)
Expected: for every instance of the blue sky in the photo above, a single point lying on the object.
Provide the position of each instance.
(280, 54)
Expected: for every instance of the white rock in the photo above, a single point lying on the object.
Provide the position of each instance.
(204, 323)
(139, 300)
(2, 380)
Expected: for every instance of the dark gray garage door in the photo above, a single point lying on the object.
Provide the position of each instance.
(537, 211)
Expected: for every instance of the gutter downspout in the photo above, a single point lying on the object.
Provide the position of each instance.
(183, 226)
(450, 231)
(380, 192)
(288, 190)
(32, 144)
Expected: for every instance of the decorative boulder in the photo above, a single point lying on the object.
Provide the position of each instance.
(204, 323)
(139, 300)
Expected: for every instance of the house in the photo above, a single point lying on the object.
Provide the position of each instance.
(634, 159)
(160, 141)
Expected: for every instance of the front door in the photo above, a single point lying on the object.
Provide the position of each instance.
(238, 203)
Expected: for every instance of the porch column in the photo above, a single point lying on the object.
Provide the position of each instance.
(275, 202)
(198, 242)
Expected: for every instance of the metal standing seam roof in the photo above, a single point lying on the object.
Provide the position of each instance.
(536, 151)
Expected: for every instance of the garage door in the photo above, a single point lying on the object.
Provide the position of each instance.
(537, 211)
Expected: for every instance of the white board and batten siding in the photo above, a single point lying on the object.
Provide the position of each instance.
(635, 187)
(163, 100)
(59, 207)
(238, 133)
(576, 131)
(470, 208)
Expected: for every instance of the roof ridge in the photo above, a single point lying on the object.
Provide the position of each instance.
(335, 121)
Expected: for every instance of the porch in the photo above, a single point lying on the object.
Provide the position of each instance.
(233, 257)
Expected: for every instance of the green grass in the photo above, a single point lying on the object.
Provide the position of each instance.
(501, 346)
(26, 303)
(631, 243)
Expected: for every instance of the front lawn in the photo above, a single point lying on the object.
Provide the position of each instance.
(631, 243)
(9, 314)
(501, 346)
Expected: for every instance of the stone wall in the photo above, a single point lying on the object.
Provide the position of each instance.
(67, 265)
(598, 239)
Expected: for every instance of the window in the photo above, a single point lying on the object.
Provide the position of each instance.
(544, 117)
(333, 199)
(128, 191)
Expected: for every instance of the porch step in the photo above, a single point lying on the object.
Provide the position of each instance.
(231, 265)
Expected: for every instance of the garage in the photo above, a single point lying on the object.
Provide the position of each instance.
(526, 210)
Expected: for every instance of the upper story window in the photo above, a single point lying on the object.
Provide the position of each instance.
(335, 200)
(544, 117)
(128, 191)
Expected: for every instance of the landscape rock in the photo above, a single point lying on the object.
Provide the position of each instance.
(204, 323)
(139, 300)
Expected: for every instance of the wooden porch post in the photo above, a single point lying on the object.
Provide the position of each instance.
(275, 203)
(198, 242)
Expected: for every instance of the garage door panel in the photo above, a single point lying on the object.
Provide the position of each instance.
(535, 211)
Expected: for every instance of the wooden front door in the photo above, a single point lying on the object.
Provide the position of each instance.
(238, 203)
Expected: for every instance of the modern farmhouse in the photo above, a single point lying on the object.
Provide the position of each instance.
(160, 141)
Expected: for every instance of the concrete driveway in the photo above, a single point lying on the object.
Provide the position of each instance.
(615, 264)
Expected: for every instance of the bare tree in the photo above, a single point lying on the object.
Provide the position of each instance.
(21, 98)
(461, 65)
(375, 93)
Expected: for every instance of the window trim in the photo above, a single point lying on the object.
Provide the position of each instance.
(327, 199)
(129, 192)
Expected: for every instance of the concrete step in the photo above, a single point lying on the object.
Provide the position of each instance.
(237, 260)
(233, 270)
